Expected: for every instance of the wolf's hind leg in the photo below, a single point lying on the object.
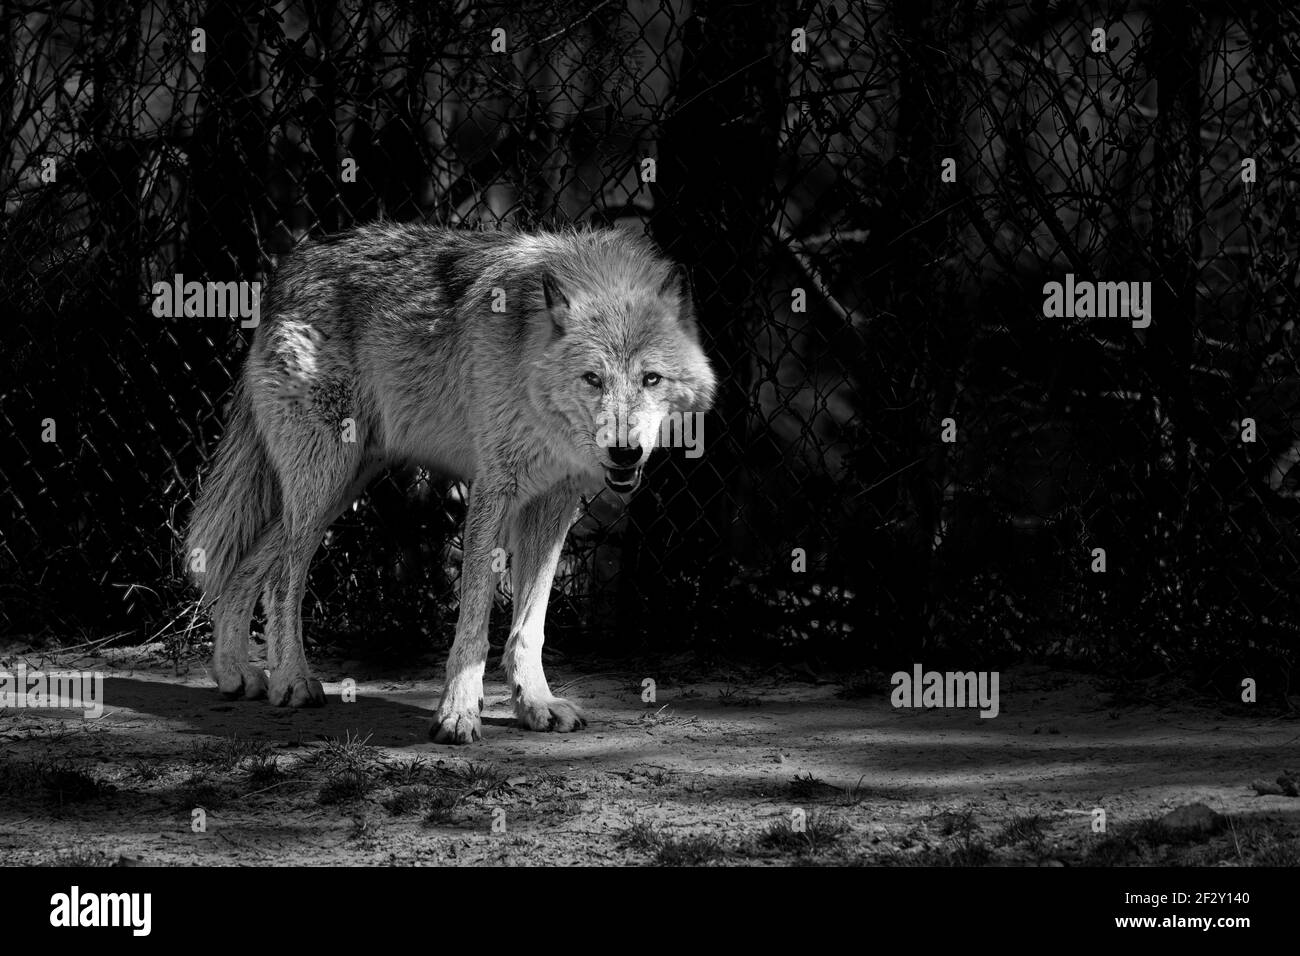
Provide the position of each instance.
(236, 676)
(318, 480)
(537, 536)
(291, 682)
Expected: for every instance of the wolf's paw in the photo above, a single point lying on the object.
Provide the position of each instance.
(297, 691)
(456, 727)
(242, 681)
(550, 713)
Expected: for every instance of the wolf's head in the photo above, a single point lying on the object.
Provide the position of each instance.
(623, 364)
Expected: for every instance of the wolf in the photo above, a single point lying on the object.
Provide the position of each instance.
(536, 365)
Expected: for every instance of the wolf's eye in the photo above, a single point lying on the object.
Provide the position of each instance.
(592, 379)
(651, 379)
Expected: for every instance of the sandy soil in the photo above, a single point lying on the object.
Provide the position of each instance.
(745, 768)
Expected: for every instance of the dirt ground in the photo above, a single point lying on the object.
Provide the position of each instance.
(741, 768)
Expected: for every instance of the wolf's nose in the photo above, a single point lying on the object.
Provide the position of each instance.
(625, 457)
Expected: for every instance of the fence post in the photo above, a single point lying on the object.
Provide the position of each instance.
(1177, 212)
(112, 170)
(922, 298)
(1178, 31)
(714, 198)
(228, 151)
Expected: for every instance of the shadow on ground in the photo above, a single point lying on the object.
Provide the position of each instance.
(756, 772)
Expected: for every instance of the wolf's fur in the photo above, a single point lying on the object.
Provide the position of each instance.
(392, 327)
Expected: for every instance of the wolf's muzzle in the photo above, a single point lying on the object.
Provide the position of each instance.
(622, 480)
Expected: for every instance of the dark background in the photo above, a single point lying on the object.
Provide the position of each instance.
(776, 170)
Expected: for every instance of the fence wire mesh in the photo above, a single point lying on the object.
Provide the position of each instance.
(910, 449)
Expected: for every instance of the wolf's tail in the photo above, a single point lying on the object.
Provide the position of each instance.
(238, 499)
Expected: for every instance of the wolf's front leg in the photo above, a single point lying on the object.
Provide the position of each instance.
(537, 536)
(458, 720)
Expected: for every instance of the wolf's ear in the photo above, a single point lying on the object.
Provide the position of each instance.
(557, 303)
(677, 288)
(677, 285)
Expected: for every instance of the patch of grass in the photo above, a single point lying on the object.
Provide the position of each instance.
(186, 622)
(1153, 832)
(441, 805)
(567, 807)
(694, 850)
(263, 770)
(350, 765)
(346, 786)
(659, 778)
(225, 754)
(1111, 850)
(79, 856)
(557, 780)
(68, 783)
(663, 716)
(405, 801)
(12, 778)
(954, 822)
(351, 755)
(1027, 830)
(640, 836)
(406, 773)
(807, 787)
(146, 772)
(965, 850)
(963, 843)
(364, 830)
(820, 832)
(734, 697)
(1140, 840)
(197, 790)
(25, 778)
(479, 780)
(852, 796)
(1152, 841)
(549, 784)
(1277, 853)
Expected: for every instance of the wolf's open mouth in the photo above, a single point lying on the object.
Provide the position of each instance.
(622, 480)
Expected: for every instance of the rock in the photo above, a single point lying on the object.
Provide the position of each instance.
(1193, 819)
(1287, 785)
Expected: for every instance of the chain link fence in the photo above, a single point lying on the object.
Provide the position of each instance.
(913, 450)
